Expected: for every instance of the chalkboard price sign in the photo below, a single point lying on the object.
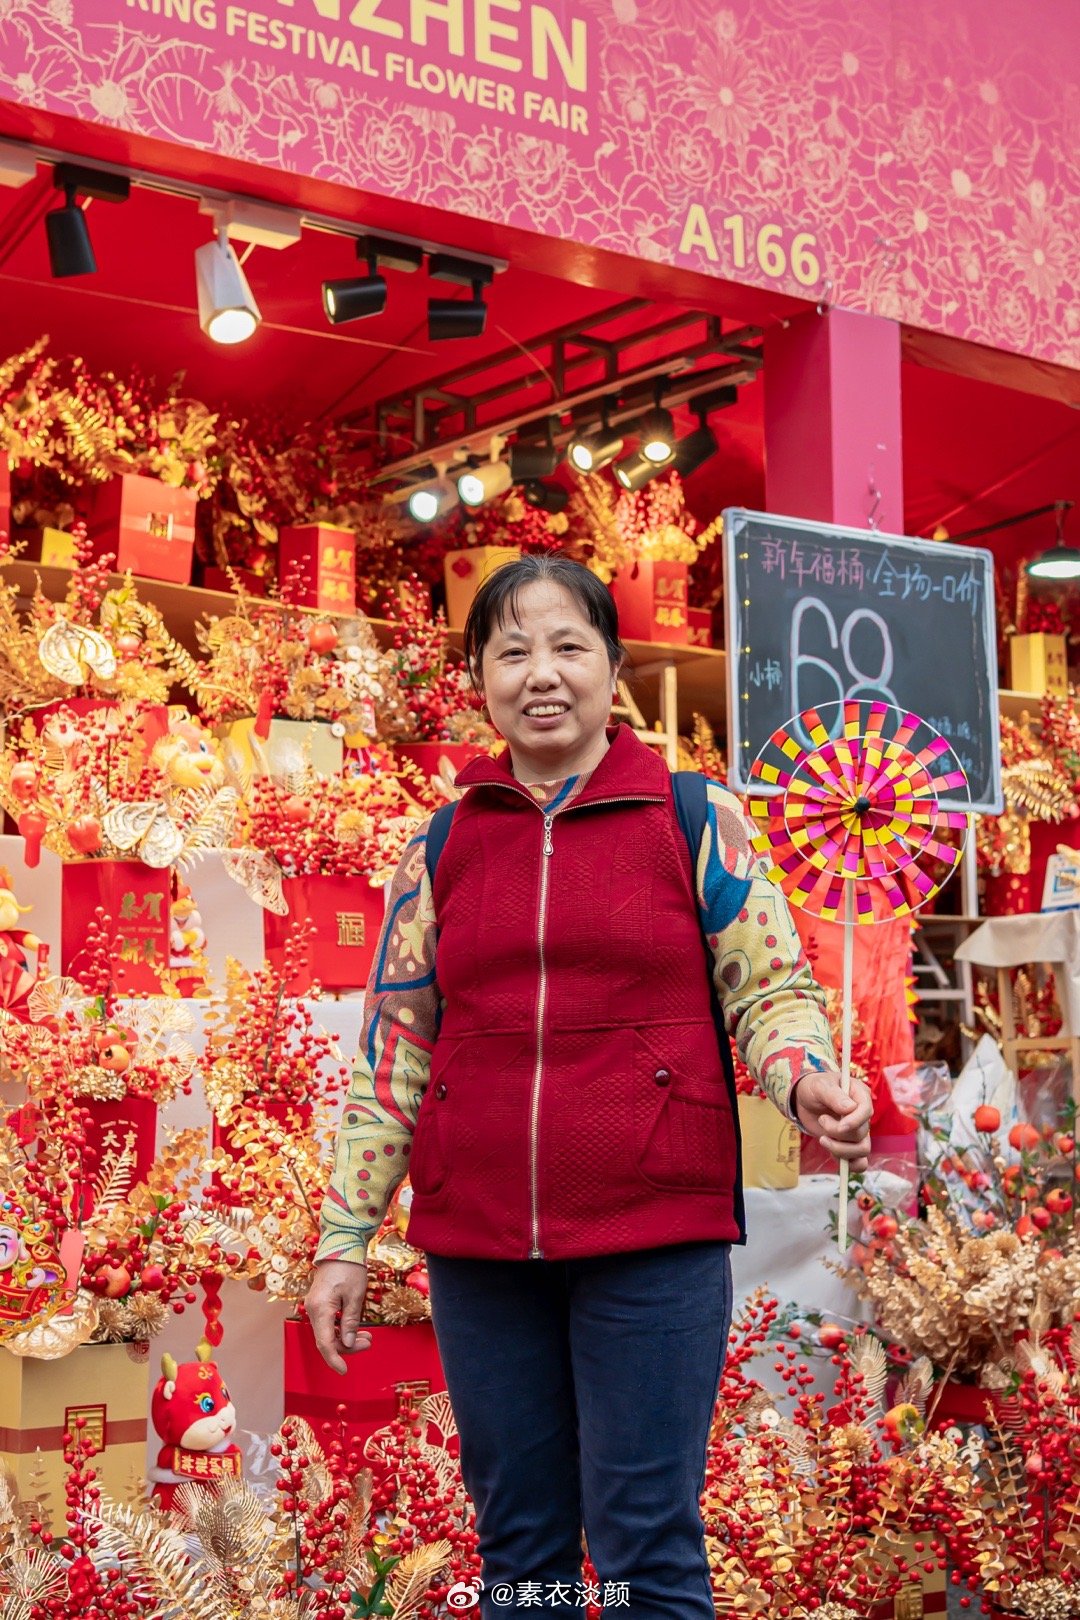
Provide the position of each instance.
(817, 613)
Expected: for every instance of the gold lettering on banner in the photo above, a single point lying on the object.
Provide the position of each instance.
(351, 928)
(95, 1424)
(160, 525)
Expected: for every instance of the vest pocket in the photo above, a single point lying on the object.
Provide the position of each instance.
(686, 1131)
(429, 1160)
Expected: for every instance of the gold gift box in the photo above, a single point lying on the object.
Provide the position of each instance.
(770, 1145)
(39, 1400)
(1039, 663)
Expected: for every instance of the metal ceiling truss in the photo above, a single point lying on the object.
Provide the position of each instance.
(448, 422)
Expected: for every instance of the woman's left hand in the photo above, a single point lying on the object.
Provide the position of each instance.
(840, 1120)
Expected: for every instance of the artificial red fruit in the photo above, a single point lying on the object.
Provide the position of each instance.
(903, 1422)
(322, 638)
(114, 1057)
(987, 1118)
(1058, 1201)
(84, 834)
(296, 809)
(831, 1335)
(116, 1280)
(1049, 1254)
(1066, 1145)
(152, 1278)
(884, 1227)
(128, 644)
(418, 1278)
(1024, 1137)
(1040, 1217)
(1024, 1226)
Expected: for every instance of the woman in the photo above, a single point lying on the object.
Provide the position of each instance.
(540, 1016)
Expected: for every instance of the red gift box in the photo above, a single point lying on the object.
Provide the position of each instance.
(699, 627)
(317, 567)
(651, 602)
(136, 899)
(5, 493)
(347, 913)
(150, 724)
(111, 1123)
(401, 1367)
(150, 526)
(427, 756)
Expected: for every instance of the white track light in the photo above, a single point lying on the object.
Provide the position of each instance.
(228, 312)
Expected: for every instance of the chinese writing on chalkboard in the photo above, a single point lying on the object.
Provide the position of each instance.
(807, 562)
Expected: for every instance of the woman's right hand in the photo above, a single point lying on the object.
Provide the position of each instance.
(335, 1307)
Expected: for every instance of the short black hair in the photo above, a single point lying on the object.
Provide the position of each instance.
(499, 594)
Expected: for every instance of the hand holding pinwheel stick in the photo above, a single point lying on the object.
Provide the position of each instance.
(852, 820)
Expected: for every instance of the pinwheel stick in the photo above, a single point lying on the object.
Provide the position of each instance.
(845, 1047)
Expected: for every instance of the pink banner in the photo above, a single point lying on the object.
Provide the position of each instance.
(911, 158)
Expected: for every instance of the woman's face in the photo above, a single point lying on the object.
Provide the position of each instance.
(548, 682)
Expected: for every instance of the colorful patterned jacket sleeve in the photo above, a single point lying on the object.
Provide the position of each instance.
(773, 1007)
(390, 1076)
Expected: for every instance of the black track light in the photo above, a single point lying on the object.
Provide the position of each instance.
(70, 249)
(696, 448)
(656, 436)
(637, 470)
(588, 452)
(535, 459)
(546, 497)
(457, 318)
(450, 317)
(355, 297)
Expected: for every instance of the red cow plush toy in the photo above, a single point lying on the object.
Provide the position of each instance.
(195, 1419)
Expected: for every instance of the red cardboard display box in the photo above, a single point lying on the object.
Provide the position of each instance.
(428, 757)
(110, 1126)
(401, 1367)
(136, 899)
(150, 724)
(699, 627)
(651, 600)
(317, 567)
(150, 526)
(347, 913)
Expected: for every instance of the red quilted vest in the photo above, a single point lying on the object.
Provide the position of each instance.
(578, 1102)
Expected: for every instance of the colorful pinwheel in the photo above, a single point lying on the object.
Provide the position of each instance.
(853, 823)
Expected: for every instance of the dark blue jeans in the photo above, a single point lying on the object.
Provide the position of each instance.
(583, 1392)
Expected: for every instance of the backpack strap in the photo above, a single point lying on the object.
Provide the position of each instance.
(437, 834)
(692, 808)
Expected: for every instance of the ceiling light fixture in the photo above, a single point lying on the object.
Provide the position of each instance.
(483, 483)
(546, 497)
(535, 459)
(70, 250)
(696, 447)
(228, 312)
(1060, 561)
(357, 296)
(450, 318)
(637, 470)
(656, 435)
(588, 452)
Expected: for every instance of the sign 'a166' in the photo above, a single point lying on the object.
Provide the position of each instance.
(817, 613)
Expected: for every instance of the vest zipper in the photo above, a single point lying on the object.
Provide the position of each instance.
(535, 1252)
